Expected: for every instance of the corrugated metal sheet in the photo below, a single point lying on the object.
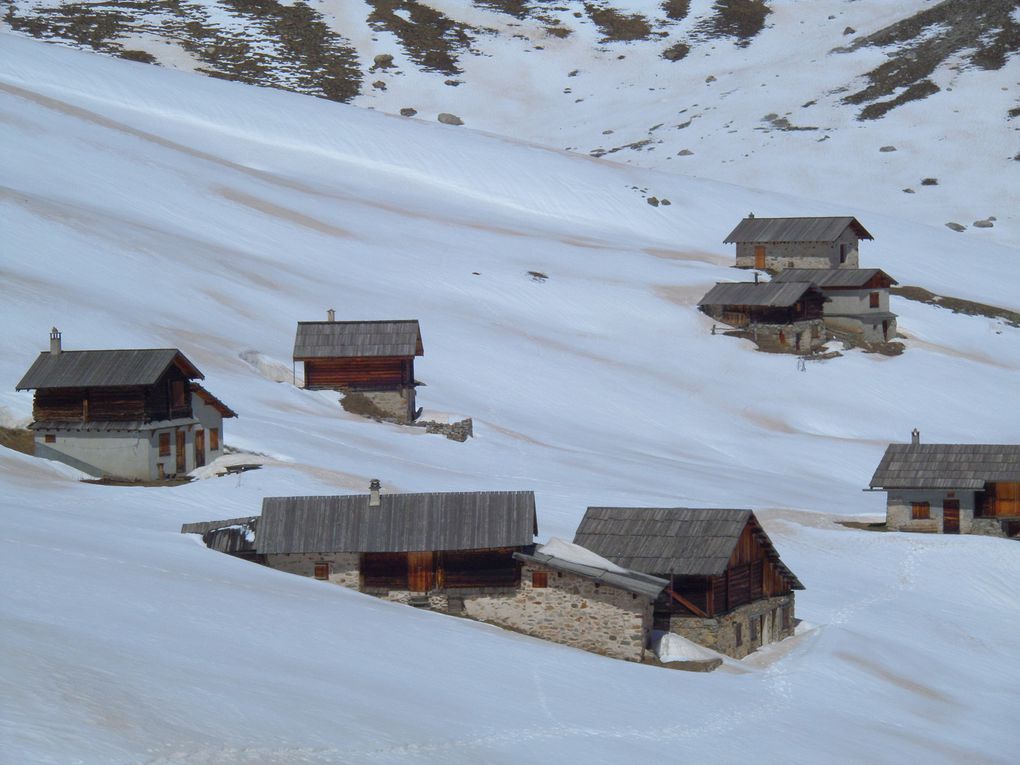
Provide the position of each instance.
(763, 230)
(765, 294)
(99, 369)
(234, 535)
(662, 540)
(402, 522)
(348, 339)
(946, 466)
(633, 581)
(831, 277)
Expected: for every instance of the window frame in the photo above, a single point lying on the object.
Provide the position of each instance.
(321, 571)
(163, 443)
(539, 580)
(214, 439)
(874, 300)
(50, 438)
(920, 511)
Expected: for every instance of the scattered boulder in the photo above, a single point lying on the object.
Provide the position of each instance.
(684, 153)
(665, 202)
(986, 223)
(929, 181)
(676, 52)
(407, 111)
(955, 226)
(653, 201)
(909, 191)
(379, 85)
(451, 83)
(710, 78)
(449, 119)
(383, 61)
(538, 276)
(849, 31)
(888, 148)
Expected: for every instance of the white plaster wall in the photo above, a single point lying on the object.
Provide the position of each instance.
(119, 455)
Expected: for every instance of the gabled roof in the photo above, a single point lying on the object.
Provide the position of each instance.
(832, 277)
(401, 523)
(100, 369)
(763, 294)
(946, 466)
(671, 540)
(794, 230)
(349, 339)
(630, 581)
(212, 401)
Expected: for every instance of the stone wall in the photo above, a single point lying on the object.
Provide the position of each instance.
(780, 255)
(783, 338)
(863, 328)
(455, 431)
(741, 631)
(573, 611)
(343, 567)
(987, 527)
(386, 405)
(899, 509)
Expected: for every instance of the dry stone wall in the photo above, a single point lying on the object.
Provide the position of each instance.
(741, 631)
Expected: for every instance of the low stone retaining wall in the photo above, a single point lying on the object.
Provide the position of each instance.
(455, 431)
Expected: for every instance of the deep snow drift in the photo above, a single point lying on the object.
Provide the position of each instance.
(147, 208)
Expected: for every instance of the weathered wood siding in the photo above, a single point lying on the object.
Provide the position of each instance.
(365, 372)
(424, 571)
(115, 404)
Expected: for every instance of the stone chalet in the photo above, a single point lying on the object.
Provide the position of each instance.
(784, 317)
(130, 414)
(772, 244)
(728, 589)
(858, 299)
(951, 488)
(466, 553)
(369, 361)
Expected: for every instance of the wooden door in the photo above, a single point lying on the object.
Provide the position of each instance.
(199, 448)
(182, 457)
(951, 516)
(419, 571)
(759, 257)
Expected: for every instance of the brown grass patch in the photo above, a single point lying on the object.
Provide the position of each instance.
(19, 439)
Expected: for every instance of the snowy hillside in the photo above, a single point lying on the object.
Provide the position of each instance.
(151, 208)
(846, 101)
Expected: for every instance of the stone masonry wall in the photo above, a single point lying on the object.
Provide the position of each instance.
(721, 633)
(783, 337)
(899, 509)
(572, 611)
(343, 567)
(780, 255)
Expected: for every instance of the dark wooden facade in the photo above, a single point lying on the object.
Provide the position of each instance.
(810, 307)
(364, 373)
(751, 574)
(167, 399)
(440, 570)
(1000, 499)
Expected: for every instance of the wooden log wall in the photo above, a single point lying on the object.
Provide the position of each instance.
(82, 405)
(421, 571)
(381, 372)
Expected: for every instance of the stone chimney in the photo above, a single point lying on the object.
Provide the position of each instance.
(331, 315)
(55, 341)
(915, 437)
(750, 215)
(373, 492)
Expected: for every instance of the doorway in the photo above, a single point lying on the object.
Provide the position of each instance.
(199, 448)
(951, 516)
(759, 257)
(182, 456)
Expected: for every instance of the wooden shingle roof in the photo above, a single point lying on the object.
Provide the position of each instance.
(401, 523)
(350, 339)
(946, 466)
(99, 369)
(763, 294)
(832, 277)
(763, 230)
(671, 540)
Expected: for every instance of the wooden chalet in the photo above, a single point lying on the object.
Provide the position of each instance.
(728, 588)
(951, 488)
(372, 358)
(774, 244)
(857, 299)
(128, 413)
(785, 317)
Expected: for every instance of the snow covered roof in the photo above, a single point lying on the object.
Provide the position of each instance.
(99, 369)
(574, 559)
(350, 339)
(679, 540)
(794, 230)
(764, 294)
(401, 523)
(946, 466)
(833, 277)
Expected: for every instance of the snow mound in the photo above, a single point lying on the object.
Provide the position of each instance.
(669, 646)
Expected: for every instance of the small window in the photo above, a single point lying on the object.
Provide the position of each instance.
(51, 438)
(539, 579)
(920, 511)
(214, 439)
(738, 633)
(873, 300)
(842, 253)
(787, 617)
(177, 394)
(322, 571)
(164, 444)
(752, 630)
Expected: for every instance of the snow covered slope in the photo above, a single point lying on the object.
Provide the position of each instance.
(145, 207)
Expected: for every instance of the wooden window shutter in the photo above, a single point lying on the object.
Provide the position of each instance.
(920, 511)
(164, 444)
(214, 439)
(322, 571)
(539, 579)
(873, 300)
(51, 438)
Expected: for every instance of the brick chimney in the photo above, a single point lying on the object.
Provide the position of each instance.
(331, 315)
(54, 341)
(373, 492)
(915, 437)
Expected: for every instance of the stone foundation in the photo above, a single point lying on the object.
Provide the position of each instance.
(385, 405)
(455, 431)
(343, 567)
(899, 509)
(741, 631)
(810, 335)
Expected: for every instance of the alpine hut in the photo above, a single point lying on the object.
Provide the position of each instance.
(772, 244)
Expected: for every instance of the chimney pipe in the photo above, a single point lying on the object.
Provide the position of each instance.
(373, 492)
(755, 277)
(55, 341)
(331, 315)
(915, 437)
(750, 215)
